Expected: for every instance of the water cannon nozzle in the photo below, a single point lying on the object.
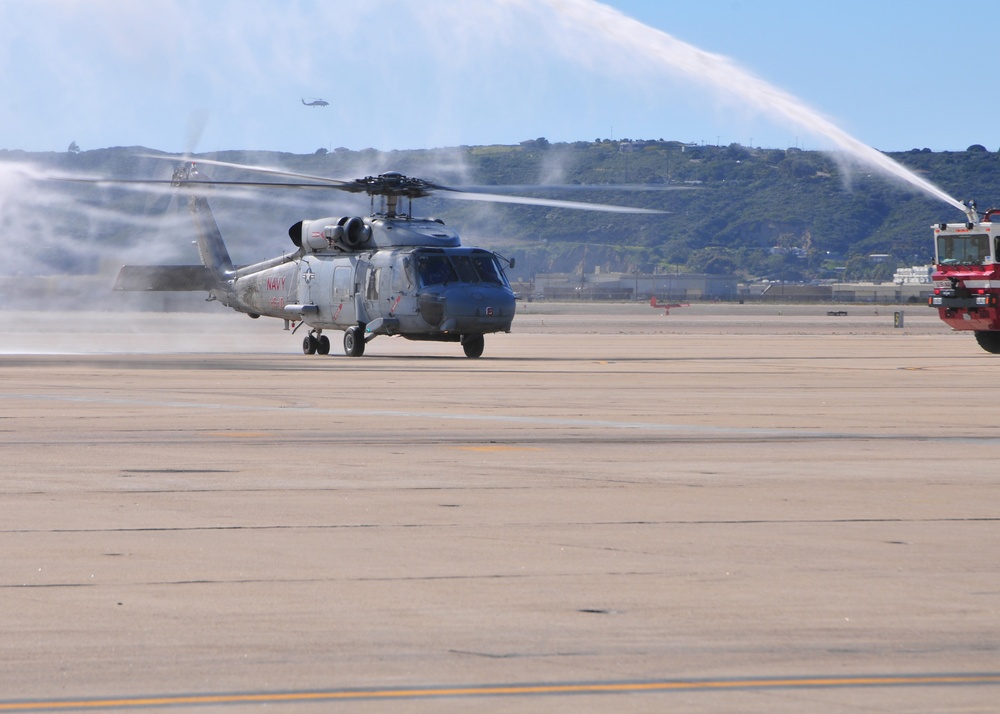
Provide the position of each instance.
(971, 212)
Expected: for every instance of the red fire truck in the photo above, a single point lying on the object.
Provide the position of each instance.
(967, 276)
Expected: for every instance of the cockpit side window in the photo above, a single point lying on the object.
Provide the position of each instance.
(402, 276)
(489, 271)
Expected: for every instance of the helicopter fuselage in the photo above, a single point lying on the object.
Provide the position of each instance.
(414, 292)
(424, 286)
(387, 274)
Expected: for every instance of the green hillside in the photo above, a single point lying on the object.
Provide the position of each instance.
(758, 213)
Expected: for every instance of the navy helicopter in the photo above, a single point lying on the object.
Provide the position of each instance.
(389, 273)
(316, 103)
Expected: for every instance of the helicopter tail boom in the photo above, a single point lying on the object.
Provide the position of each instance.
(180, 278)
(216, 265)
(211, 247)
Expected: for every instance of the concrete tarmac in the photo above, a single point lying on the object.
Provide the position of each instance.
(732, 508)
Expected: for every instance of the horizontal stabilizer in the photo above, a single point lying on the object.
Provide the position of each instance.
(165, 277)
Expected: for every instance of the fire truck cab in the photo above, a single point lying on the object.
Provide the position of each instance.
(967, 276)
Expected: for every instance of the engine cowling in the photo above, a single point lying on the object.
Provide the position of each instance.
(345, 234)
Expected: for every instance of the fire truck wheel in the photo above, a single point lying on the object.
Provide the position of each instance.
(989, 340)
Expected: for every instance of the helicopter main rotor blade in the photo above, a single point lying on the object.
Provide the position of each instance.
(355, 188)
(247, 167)
(569, 187)
(192, 185)
(550, 202)
(402, 185)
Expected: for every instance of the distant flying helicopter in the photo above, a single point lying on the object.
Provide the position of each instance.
(316, 103)
(389, 273)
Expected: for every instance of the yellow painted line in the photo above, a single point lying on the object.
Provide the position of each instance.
(506, 690)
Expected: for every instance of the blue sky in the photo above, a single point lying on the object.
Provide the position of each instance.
(408, 74)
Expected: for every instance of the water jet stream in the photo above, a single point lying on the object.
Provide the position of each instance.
(605, 26)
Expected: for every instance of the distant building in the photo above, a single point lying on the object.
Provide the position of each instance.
(917, 275)
(796, 292)
(881, 292)
(633, 286)
(836, 292)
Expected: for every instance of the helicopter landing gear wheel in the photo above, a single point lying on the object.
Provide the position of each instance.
(473, 346)
(316, 343)
(354, 342)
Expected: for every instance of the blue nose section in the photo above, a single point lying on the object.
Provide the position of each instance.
(477, 310)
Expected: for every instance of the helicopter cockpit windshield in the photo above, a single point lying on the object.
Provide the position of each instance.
(475, 267)
(435, 270)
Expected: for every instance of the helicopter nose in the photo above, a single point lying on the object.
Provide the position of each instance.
(481, 310)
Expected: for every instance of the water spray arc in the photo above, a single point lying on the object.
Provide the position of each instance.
(606, 28)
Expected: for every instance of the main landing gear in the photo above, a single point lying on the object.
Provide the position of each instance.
(316, 344)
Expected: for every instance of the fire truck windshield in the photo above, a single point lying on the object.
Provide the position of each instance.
(972, 249)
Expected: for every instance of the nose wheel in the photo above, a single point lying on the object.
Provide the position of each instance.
(473, 345)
